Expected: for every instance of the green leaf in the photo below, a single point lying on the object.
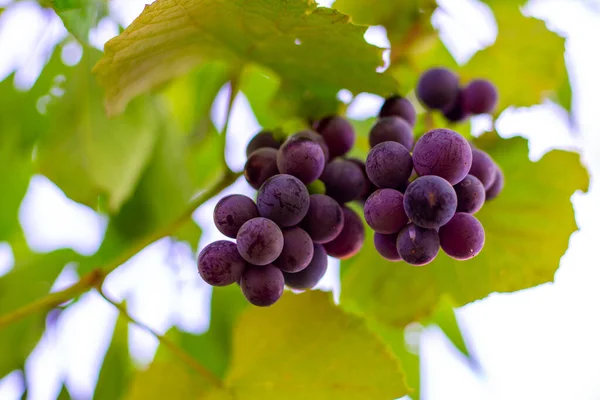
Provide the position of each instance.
(79, 16)
(64, 394)
(306, 46)
(445, 318)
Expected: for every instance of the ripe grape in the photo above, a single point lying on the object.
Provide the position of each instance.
(302, 158)
(497, 186)
(483, 168)
(389, 165)
(264, 139)
(262, 286)
(393, 129)
(260, 241)
(457, 111)
(418, 246)
(338, 134)
(324, 219)
(314, 136)
(463, 237)
(311, 275)
(437, 88)
(430, 201)
(283, 199)
(220, 264)
(386, 246)
(444, 153)
(350, 239)
(400, 107)
(343, 180)
(470, 195)
(368, 187)
(232, 211)
(260, 166)
(480, 96)
(384, 211)
(297, 250)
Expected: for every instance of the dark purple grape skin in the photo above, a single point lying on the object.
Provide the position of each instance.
(496, 187)
(386, 246)
(338, 133)
(324, 219)
(231, 212)
(384, 211)
(264, 139)
(220, 264)
(393, 129)
(311, 275)
(483, 168)
(260, 241)
(418, 246)
(444, 153)
(480, 97)
(283, 199)
(297, 250)
(350, 239)
(314, 136)
(368, 187)
(389, 165)
(463, 237)
(343, 179)
(262, 286)
(457, 111)
(400, 107)
(430, 201)
(302, 158)
(260, 166)
(470, 195)
(437, 88)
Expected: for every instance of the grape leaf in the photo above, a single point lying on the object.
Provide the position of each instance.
(79, 16)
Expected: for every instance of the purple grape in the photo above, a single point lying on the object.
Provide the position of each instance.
(389, 165)
(264, 139)
(338, 134)
(368, 187)
(463, 237)
(311, 275)
(393, 129)
(386, 246)
(260, 241)
(384, 211)
(418, 246)
(314, 136)
(297, 250)
(437, 88)
(232, 211)
(470, 195)
(260, 166)
(220, 264)
(324, 219)
(480, 96)
(400, 107)
(302, 158)
(350, 239)
(283, 199)
(262, 286)
(483, 168)
(444, 153)
(457, 111)
(344, 181)
(496, 187)
(430, 202)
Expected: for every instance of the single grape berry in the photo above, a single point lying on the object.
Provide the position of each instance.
(316, 137)
(262, 286)
(437, 88)
(483, 168)
(350, 239)
(283, 199)
(343, 180)
(324, 219)
(470, 195)
(220, 264)
(389, 165)
(444, 153)
(384, 211)
(400, 107)
(264, 139)
(393, 129)
(368, 187)
(386, 246)
(463, 237)
(260, 241)
(430, 202)
(496, 187)
(311, 275)
(418, 246)
(338, 134)
(457, 111)
(302, 158)
(260, 166)
(297, 250)
(232, 211)
(480, 97)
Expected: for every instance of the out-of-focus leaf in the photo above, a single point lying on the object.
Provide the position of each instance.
(64, 393)
(79, 16)
(445, 318)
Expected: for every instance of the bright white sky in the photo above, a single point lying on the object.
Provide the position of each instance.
(540, 343)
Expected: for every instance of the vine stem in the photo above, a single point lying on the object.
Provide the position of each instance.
(428, 121)
(233, 90)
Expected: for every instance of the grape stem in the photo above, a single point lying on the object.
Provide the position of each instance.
(428, 121)
(233, 90)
